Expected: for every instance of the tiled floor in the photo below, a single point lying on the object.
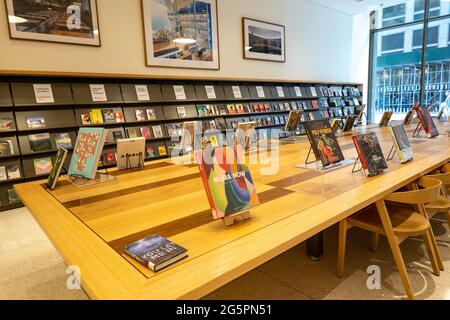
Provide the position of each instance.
(31, 268)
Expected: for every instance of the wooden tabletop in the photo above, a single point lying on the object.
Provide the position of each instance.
(90, 225)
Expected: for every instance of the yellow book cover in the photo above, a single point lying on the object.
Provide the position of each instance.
(162, 151)
(96, 116)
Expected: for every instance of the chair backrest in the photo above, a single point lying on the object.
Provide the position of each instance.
(429, 193)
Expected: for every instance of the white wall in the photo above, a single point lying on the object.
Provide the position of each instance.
(359, 66)
(319, 43)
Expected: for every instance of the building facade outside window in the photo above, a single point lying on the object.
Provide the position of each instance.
(397, 58)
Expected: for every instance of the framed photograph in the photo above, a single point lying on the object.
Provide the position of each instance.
(64, 21)
(263, 40)
(181, 33)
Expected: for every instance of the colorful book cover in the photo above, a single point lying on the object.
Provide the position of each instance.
(12, 196)
(119, 117)
(156, 252)
(35, 122)
(222, 110)
(96, 116)
(42, 166)
(146, 133)
(401, 143)
(370, 153)
(427, 121)
(117, 135)
(162, 151)
(140, 115)
(13, 171)
(86, 119)
(150, 151)
(323, 142)
(151, 115)
(386, 118)
(227, 180)
(6, 148)
(40, 142)
(202, 111)
(6, 124)
(349, 123)
(231, 109)
(181, 111)
(56, 170)
(87, 152)
(108, 116)
(240, 108)
(157, 131)
(110, 157)
(335, 124)
(63, 140)
(133, 133)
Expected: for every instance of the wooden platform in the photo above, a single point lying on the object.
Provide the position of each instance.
(91, 225)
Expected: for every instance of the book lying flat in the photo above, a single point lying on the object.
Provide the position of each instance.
(156, 252)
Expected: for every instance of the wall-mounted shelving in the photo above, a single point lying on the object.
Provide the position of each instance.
(33, 123)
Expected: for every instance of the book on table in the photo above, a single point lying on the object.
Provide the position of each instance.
(293, 123)
(87, 152)
(349, 123)
(409, 116)
(227, 180)
(323, 142)
(401, 143)
(156, 252)
(57, 167)
(370, 153)
(427, 121)
(386, 118)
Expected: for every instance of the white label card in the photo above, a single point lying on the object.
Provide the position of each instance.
(260, 92)
(210, 92)
(313, 92)
(179, 92)
(43, 93)
(98, 92)
(280, 92)
(237, 92)
(142, 92)
(298, 91)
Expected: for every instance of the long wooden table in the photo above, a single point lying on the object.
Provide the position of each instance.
(91, 225)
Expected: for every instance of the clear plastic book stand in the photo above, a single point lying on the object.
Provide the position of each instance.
(316, 165)
(102, 176)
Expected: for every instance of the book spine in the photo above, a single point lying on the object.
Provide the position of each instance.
(199, 158)
(360, 154)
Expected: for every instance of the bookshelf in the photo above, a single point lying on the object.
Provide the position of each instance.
(153, 107)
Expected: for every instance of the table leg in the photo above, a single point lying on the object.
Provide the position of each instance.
(314, 247)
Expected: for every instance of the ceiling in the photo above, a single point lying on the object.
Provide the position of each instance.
(354, 7)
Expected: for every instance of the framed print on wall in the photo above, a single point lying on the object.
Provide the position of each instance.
(263, 40)
(64, 21)
(181, 33)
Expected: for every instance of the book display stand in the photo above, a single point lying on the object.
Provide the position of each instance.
(360, 168)
(391, 154)
(417, 130)
(83, 182)
(235, 218)
(317, 165)
(141, 164)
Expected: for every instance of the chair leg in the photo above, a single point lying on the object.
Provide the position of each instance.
(384, 215)
(431, 253)
(436, 249)
(447, 215)
(342, 243)
(375, 241)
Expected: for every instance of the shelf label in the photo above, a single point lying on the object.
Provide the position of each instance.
(260, 92)
(98, 92)
(237, 92)
(313, 92)
(298, 92)
(142, 92)
(210, 92)
(280, 92)
(43, 93)
(179, 92)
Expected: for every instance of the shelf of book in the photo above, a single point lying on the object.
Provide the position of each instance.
(39, 108)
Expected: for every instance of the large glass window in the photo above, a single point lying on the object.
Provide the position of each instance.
(394, 15)
(397, 49)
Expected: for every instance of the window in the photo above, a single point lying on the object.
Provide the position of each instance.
(392, 43)
(394, 15)
(419, 9)
(432, 38)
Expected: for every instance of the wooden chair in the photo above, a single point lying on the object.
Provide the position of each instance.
(442, 205)
(397, 220)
